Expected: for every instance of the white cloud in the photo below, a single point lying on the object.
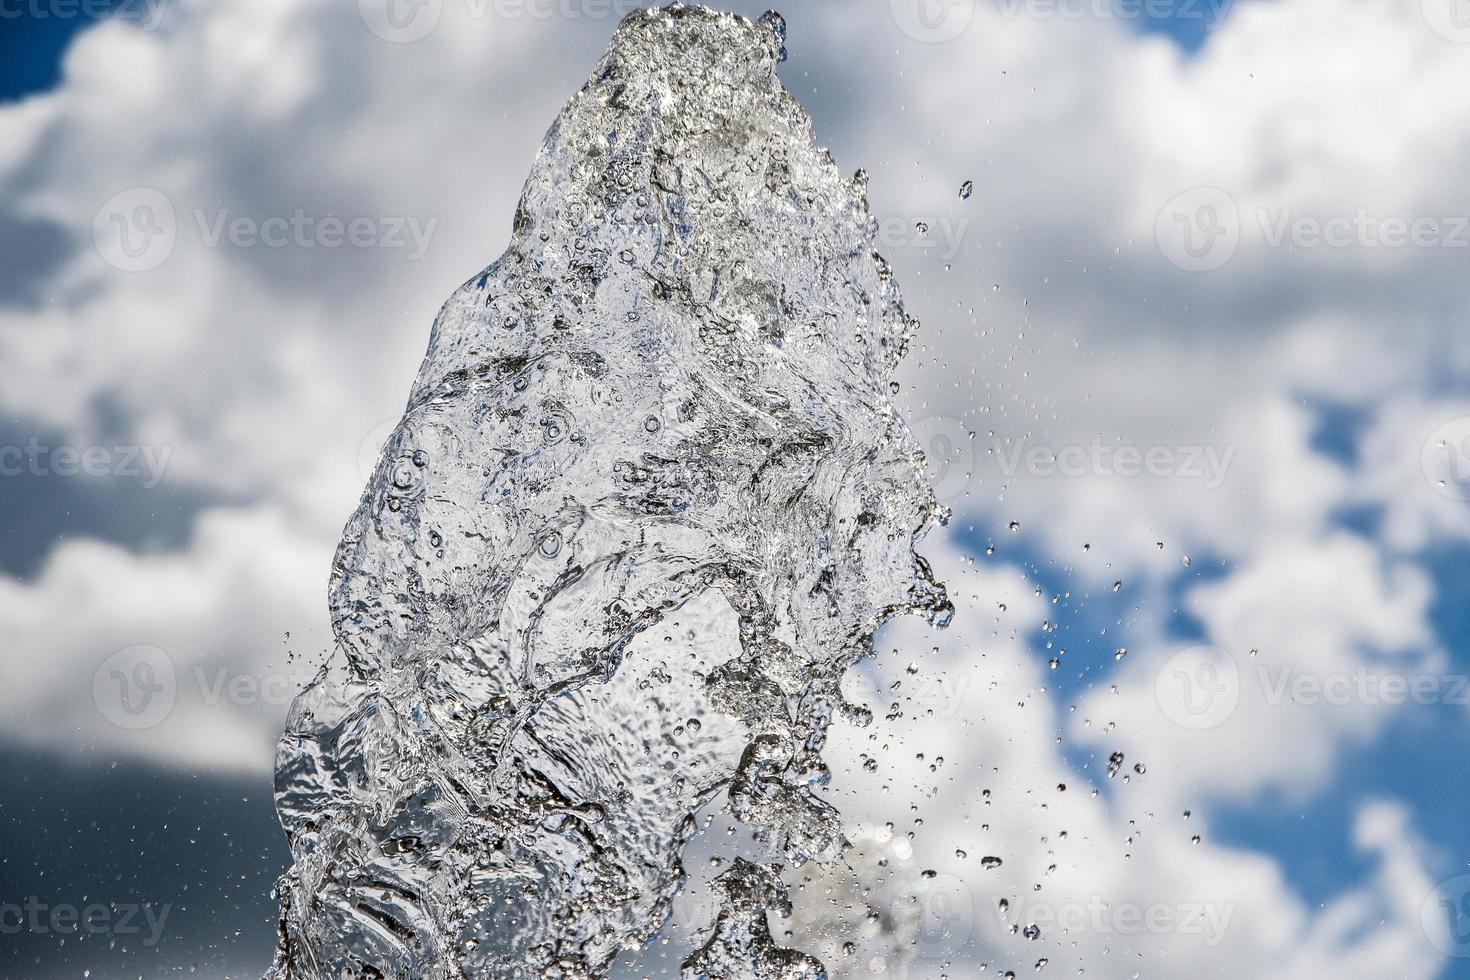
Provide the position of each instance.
(1113, 880)
(1320, 634)
(1060, 324)
(213, 621)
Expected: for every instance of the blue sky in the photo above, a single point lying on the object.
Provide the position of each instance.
(1066, 319)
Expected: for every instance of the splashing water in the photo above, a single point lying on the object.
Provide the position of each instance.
(649, 500)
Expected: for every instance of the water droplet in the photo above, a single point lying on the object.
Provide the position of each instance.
(404, 477)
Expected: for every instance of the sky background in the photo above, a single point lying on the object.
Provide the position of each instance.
(1194, 376)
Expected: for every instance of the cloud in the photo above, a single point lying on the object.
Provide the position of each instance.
(1113, 879)
(182, 658)
(1315, 644)
(1055, 322)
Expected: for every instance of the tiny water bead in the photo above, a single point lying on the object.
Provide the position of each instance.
(405, 475)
